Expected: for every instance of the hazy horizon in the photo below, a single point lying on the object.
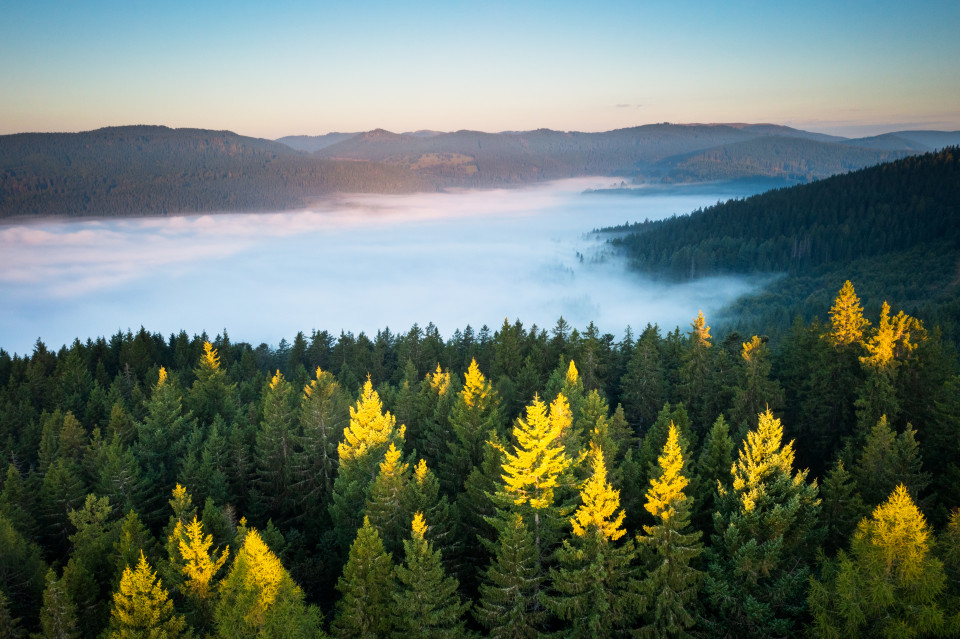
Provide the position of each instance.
(852, 68)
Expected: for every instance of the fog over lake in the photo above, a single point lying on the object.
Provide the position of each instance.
(356, 263)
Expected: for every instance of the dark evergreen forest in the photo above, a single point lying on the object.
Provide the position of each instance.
(509, 483)
(893, 228)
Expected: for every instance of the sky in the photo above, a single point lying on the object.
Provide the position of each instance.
(309, 68)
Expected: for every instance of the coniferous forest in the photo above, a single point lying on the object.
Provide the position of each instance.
(515, 482)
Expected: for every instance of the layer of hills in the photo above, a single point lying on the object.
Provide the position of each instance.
(151, 170)
(893, 229)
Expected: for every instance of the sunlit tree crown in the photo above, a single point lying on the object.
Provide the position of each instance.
(846, 317)
(439, 380)
(476, 388)
(277, 380)
(391, 466)
(209, 360)
(420, 472)
(599, 502)
(142, 607)
(419, 526)
(701, 332)
(892, 338)
(370, 427)
(263, 574)
(200, 564)
(666, 491)
(532, 471)
(752, 350)
(899, 532)
(572, 374)
(761, 456)
(163, 377)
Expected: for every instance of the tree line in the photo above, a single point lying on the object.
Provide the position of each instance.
(510, 483)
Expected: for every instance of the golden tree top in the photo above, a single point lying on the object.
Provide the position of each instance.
(369, 427)
(599, 502)
(475, 386)
(761, 456)
(666, 491)
(532, 471)
(419, 525)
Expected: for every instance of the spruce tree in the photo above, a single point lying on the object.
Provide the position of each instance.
(258, 598)
(142, 607)
(593, 588)
(508, 606)
(274, 452)
(58, 616)
(473, 416)
(671, 585)
(889, 585)
(766, 533)
(426, 603)
(365, 440)
(388, 506)
(366, 587)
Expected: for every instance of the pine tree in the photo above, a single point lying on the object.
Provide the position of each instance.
(324, 413)
(366, 587)
(212, 393)
(199, 566)
(755, 390)
(274, 450)
(696, 371)
(58, 616)
(508, 607)
(21, 572)
(142, 608)
(10, 627)
(889, 585)
(643, 387)
(365, 440)
(389, 501)
(713, 467)
(888, 459)
(89, 574)
(161, 442)
(766, 533)
(847, 322)
(669, 589)
(593, 590)
(425, 497)
(842, 506)
(426, 602)
(258, 598)
(473, 416)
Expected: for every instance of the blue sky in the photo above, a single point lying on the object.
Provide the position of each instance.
(286, 68)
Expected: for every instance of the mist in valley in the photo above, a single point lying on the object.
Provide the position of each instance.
(355, 263)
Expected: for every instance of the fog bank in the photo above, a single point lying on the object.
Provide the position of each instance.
(358, 263)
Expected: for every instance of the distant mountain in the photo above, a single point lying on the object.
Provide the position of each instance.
(149, 170)
(935, 140)
(793, 159)
(155, 170)
(670, 152)
(311, 143)
(893, 228)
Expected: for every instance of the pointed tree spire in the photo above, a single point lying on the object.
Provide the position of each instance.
(671, 585)
(366, 588)
(847, 322)
(142, 607)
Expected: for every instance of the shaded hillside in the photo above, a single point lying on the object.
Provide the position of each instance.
(895, 227)
(312, 143)
(794, 159)
(150, 170)
(475, 158)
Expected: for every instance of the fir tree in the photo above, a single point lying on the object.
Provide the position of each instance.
(258, 598)
(58, 616)
(669, 589)
(366, 587)
(426, 602)
(142, 608)
(889, 585)
(508, 607)
(212, 393)
(389, 500)
(766, 532)
(274, 450)
(593, 590)
(847, 322)
(474, 415)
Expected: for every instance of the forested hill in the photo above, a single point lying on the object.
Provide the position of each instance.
(155, 170)
(151, 170)
(896, 227)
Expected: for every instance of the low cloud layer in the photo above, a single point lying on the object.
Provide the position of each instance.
(358, 263)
